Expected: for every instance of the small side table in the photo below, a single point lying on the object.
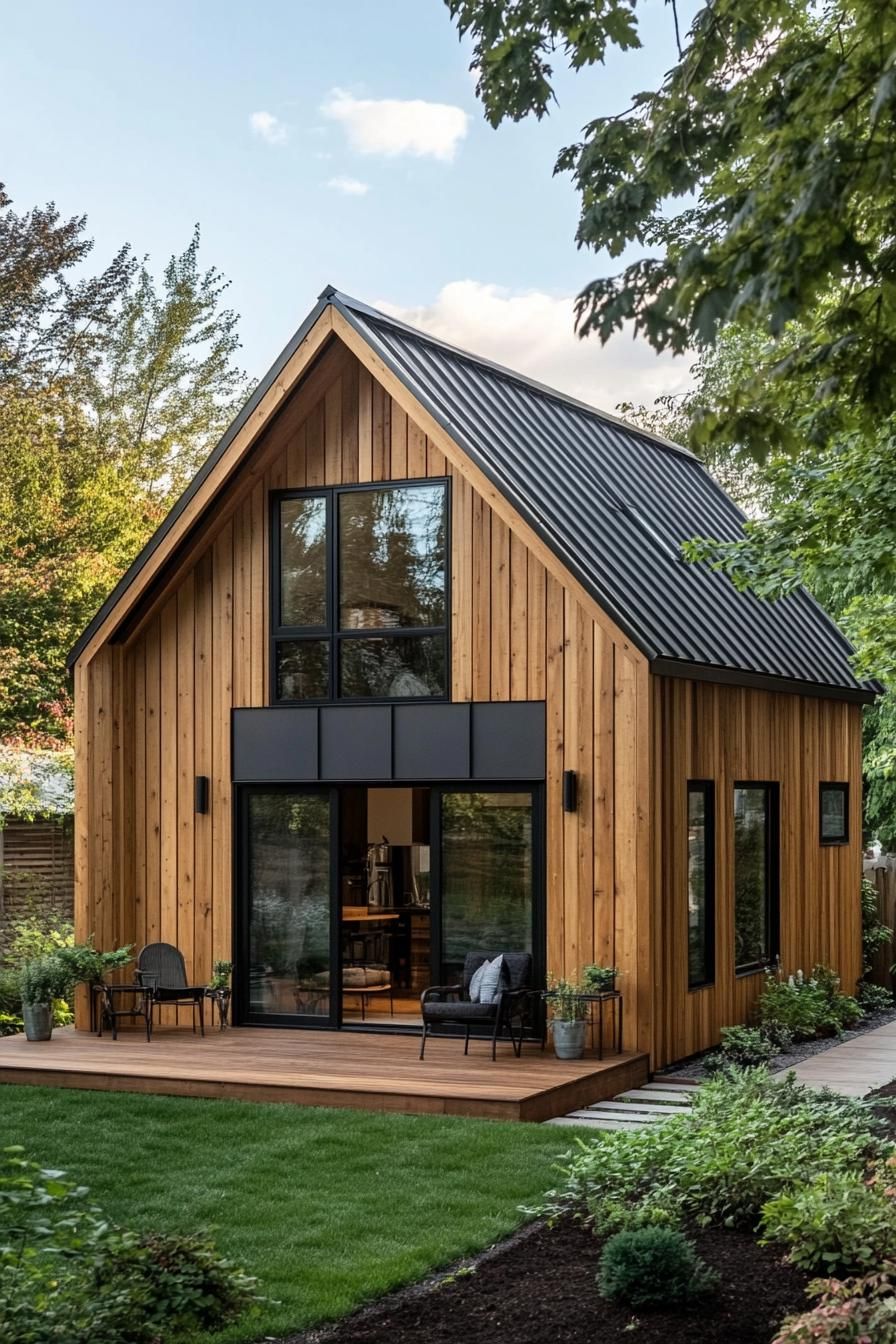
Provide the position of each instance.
(613, 996)
(107, 1012)
(220, 999)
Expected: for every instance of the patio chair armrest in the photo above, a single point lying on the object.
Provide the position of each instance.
(436, 992)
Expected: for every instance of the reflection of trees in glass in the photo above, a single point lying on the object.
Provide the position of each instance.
(303, 561)
(393, 666)
(303, 669)
(392, 557)
(486, 875)
(751, 936)
(697, 960)
(289, 889)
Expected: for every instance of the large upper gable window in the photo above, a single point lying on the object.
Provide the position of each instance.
(359, 604)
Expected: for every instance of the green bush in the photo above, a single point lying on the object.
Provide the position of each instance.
(10, 991)
(838, 1223)
(653, 1267)
(69, 1276)
(745, 1140)
(10, 1025)
(806, 1007)
(875, 934)
(874, 998)
(44, 979)
(742, 1048)
(87, 966)
(851, 1311)
(36, 936)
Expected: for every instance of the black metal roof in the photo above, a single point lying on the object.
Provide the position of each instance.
(613, 502)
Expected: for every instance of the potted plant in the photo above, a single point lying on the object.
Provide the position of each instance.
(569, 1015)
(87, 966)
(219, 988)
(599, 979)
(41, 981)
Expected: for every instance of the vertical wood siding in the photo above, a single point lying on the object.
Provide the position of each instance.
(729, 734)
(157, 870)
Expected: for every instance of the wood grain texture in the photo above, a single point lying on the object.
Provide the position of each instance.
(517, 634)
(732, 734)
(153, 712)
(345, 1069)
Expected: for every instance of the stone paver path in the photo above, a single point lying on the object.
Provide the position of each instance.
(856, 1066)
(634, 1109)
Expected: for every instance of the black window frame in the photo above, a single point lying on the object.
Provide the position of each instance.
(772, 870)
(330, 633)
(833, 786)
(707, 788)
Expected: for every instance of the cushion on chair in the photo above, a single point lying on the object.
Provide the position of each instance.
(494, 979)
(476, 983)
(459, 1012)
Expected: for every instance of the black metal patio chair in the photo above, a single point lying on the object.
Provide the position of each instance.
(450, 1006)
(162, 971)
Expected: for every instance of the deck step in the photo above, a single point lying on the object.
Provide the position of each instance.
(629, 1121)
(672, 1100)
(640, 1107)
(590, 1122)
(661, 1086)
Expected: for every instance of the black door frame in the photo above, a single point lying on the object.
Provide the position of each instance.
(243, 1015)
(333, 1021)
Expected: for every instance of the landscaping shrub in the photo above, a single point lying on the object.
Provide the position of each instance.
(742, 1048)
(10, 1025)
(875, 934)
(68, 1276)
(851, 1311)
(807, 1007)
(745, 1140)
(653, 1267)
(10, 991)
(874, 998)
(837, 1223)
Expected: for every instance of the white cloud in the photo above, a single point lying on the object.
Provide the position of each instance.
(348, 186)
(533, 334)
(269, 128)
(392, 126)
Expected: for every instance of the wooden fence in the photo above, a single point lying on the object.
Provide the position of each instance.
(882, 873)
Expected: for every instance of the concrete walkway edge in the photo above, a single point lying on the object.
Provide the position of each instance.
(853, 1068)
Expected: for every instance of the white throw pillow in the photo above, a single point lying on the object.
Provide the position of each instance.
(492, 981)
(476, 982)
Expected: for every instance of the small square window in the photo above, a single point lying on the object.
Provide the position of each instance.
(833, 814)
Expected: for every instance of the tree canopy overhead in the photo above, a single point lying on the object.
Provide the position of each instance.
(113, 388)
(758, 179)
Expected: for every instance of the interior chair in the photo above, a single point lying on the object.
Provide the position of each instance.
(162, 971)
(450, 1006)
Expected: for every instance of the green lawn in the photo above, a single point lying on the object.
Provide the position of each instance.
(328, 1208)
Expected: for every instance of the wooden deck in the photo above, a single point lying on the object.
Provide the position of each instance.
(323, 1068)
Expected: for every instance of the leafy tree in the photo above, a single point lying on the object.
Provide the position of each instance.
(757, 178)
(113, 388)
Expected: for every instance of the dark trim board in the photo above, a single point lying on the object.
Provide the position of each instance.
(759, 681)
(419, 743)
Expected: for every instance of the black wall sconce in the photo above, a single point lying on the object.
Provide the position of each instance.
(202, 793)
(570, 791)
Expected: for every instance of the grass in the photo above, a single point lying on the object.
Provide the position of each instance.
(328, 1208)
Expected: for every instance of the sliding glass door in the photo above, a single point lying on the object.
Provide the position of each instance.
(487, 877)
(287, 910)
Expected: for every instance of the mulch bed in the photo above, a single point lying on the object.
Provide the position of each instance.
(539, 1288)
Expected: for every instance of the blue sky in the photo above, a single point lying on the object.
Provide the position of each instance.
(141, 116)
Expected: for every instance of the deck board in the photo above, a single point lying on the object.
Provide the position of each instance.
(324, 1068)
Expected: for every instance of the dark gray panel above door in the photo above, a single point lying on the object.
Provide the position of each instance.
(428, 738)
(509, 740)
(356, 742)
(275, 745)
(421, 743)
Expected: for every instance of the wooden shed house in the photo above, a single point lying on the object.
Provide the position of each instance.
(415, 667)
